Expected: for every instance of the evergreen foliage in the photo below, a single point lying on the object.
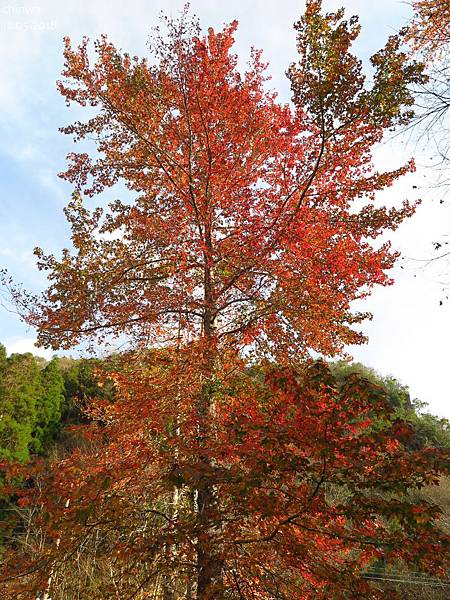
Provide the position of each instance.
(430, 430)
(49, 404)
(20, 388)
(31, 399)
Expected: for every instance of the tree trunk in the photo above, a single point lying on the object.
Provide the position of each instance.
(209, 560)
(167, 592)
(209, 545)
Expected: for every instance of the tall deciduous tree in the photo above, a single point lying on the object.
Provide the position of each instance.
(241, 222)
(244, 229)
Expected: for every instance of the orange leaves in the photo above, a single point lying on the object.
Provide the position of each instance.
(242, 209)
(298, 492)
(430, 28)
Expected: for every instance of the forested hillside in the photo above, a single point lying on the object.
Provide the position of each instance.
(39, 399)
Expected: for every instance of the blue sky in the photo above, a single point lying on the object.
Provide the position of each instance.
(409, 332)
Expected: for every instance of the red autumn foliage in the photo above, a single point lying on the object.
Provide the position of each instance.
(310, 487)
(429, 30)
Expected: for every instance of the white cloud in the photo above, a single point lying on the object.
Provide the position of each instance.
(22, 345)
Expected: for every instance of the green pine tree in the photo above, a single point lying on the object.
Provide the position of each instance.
(48, 406)
(20, 387)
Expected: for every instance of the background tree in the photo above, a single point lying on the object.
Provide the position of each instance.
(429, 30)
(19, 392)
(80, 385)
(429, 429)
(48, 406)
(3, 357)
(429, 37)
(397, 393)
